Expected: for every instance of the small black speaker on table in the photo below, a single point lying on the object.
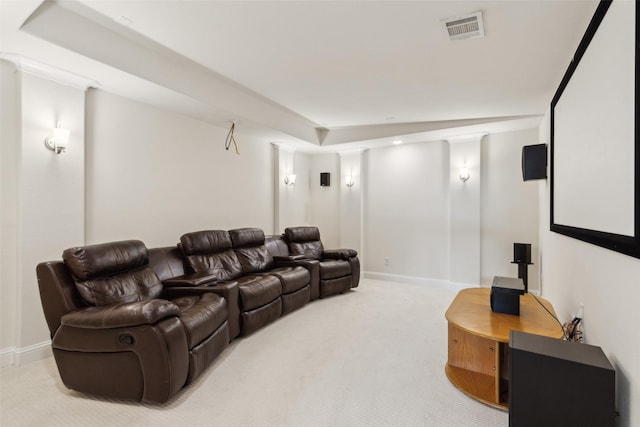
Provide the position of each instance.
(534, 162)
(554, 382)
(325, 179)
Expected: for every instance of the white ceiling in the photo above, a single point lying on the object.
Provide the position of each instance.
(367, 71)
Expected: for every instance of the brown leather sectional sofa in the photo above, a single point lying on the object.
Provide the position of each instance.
(134, 323)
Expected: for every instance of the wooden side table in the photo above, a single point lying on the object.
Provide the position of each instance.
(479, 341)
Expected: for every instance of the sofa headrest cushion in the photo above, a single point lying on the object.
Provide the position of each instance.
(302, 234)
(245, 237)
(205, 242)
(105, 259)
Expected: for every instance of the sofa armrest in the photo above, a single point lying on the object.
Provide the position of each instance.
(190, 280)
(339, 254)
(279, 258)
(146, 312)
(227, 290)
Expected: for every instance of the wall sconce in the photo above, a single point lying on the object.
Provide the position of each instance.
(349, 181)
(58, 142)
(290, 179)
(464, 174)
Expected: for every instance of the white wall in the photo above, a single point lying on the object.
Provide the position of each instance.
(464, 211)
(607, 283)
(325, 201)
(154, 175)
(351, 201)
(420, 215)
(43, 211)
(509, 206)
(575, 272)
(292, 205)
(406, 218)
(9, 172)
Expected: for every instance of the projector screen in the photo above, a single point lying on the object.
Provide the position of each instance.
(594, 144)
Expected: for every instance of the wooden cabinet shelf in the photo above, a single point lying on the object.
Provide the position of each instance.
(478, 341)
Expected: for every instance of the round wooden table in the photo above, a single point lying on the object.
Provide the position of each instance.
(479, 342)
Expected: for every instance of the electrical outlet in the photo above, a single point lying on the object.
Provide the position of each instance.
(581, 311)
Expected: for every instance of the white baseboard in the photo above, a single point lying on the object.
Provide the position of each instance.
(25, 355)
(7, 356)
(414, 280)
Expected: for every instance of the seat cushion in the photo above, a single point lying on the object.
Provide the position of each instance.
(292, 278)
(256, 291)
(201, 315)
(332, 269)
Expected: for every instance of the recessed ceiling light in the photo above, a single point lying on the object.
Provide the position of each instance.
(397, 141)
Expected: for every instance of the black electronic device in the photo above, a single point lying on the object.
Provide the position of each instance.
(534, 162)
(522, 257)
(522, 253)
(505, 295)
(554, 382)
(325, 179)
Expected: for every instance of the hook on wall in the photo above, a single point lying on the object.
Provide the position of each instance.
(231, 138)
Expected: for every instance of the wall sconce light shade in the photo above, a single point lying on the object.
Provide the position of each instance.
(464, 174)
(58, 141)
(290, 179)
(349, 181)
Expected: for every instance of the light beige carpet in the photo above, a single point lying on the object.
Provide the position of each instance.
(372, 357)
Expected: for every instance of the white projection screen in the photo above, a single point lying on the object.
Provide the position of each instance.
(594, 139)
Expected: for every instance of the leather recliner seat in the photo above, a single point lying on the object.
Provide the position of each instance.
(112, 332)
(339, 268)
(249, 244)
(249, 264)
(135, 323)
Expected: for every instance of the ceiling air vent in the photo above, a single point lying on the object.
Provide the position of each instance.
(465, 27)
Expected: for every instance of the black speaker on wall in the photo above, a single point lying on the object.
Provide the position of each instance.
(554, 382)
(534, 162)
(325, 179)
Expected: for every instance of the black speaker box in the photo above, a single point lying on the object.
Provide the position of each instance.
(505, 295)
(554, 382)
(534, 162)
(522, 253)
(325, 179)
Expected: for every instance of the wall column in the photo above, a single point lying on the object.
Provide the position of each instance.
(43, 195)
(464, 213)
(351, 201)
(291, 202)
